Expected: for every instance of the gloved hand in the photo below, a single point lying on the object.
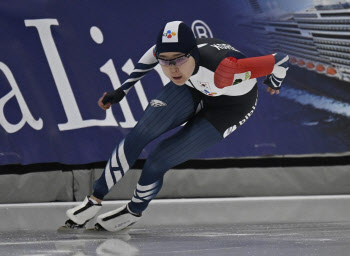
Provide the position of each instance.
(279, 72)
(109, 98)
(113, 96)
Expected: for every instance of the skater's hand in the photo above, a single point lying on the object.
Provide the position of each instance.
(279, 72)
(104, 106)
(110, 98)
(272, 91)
(271, 88)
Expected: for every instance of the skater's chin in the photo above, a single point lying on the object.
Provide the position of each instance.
(179, 80)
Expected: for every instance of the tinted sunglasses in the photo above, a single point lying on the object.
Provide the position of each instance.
(176, 61)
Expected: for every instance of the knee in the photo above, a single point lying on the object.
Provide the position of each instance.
(155, 167)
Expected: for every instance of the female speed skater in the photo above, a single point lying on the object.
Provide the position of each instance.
(213, 89)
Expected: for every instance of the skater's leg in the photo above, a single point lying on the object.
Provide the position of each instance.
(197, 136)
(174, 106)
(203, 130)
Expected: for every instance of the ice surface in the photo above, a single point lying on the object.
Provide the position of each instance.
(240, 239)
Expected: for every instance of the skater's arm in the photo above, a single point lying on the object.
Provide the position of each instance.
(232, 70)
(147, 62)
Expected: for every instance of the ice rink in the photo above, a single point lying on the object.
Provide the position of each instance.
(232, 226)
(241, 239)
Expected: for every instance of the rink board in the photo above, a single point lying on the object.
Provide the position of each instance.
(252, 210)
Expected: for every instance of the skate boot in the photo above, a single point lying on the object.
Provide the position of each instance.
(117, 220)
(81, 214)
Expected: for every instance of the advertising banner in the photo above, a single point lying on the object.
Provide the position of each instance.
(57, 58)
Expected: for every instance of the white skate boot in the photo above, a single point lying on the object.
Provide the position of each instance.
(81, 214)
(117, 220)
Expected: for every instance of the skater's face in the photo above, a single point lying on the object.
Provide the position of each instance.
(179, 70)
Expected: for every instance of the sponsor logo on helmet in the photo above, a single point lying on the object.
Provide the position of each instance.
(169, 34)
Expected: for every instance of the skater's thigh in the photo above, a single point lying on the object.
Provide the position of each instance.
(196, 136)
(173, 106)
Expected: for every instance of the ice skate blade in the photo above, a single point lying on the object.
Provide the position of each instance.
(71, 225)
(99, 229)
(65, 229)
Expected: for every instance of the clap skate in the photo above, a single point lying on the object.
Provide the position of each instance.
(117, 220)
(81, 214)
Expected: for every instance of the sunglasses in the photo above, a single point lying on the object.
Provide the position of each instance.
(176, 61)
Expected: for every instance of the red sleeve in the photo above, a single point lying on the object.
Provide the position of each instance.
(228, 67)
